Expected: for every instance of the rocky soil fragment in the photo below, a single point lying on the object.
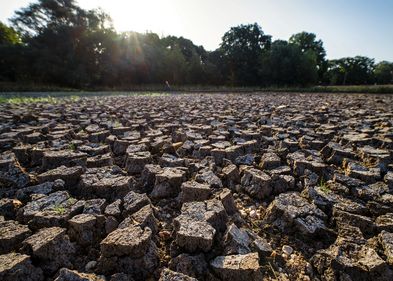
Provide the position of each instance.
(50, 210)
(106, 182)
(11, 235)
(51, 248)
(18, 267)
(67, 275)
(169, 275)
(237, 267)
(290, 212)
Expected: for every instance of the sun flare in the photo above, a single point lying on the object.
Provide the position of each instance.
(145, 16)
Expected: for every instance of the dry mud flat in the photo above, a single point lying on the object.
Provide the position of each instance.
(198, 187)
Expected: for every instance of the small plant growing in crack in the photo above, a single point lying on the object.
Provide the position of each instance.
(323, 186)
(71, 201)
(72, 146)
(60, 210)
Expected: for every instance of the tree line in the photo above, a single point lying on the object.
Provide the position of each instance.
(57, 42)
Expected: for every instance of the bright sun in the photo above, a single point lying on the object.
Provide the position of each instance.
(147, 15)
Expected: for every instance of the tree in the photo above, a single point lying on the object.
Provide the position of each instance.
(11, 61)
(285, 65)
(8, 36)
(194, 59)
(57, 42)
(384, 72)
(66, 42)
(217, 67)
(351, 71)
(242, 47)
(309, 44)
(54, 14)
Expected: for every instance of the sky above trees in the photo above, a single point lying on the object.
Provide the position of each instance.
(347, 28)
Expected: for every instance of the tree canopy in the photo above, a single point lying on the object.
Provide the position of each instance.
(242, 46)
(8, 36)
(58, 42)
(309, 44)
(286, 64)
(54, 15)
(351, 71)
(384, 72)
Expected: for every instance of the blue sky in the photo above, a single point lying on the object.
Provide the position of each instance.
(347, 27)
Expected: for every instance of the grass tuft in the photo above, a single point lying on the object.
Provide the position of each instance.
(60, 210)
(71, 201)
(323, 186)
(72, 146)
(17, 99)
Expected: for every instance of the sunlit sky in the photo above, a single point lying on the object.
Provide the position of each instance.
(347, 27)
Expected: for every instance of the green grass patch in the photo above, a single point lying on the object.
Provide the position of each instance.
(71, 201)
(27, 100)
(53, 97)
(60, 210)
(367, 89)
(150, 94)
(75, 98)
(72, 146)
(57, 97)
(323, 186)
(20, 99)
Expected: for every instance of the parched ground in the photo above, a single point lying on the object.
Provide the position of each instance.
(197, 187)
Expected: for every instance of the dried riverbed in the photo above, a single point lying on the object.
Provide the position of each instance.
(197, 187)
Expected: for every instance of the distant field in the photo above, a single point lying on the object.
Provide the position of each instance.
(12, 91)
(55, 97)
(381, 89)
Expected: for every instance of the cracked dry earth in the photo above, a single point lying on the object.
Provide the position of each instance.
(198, 187)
